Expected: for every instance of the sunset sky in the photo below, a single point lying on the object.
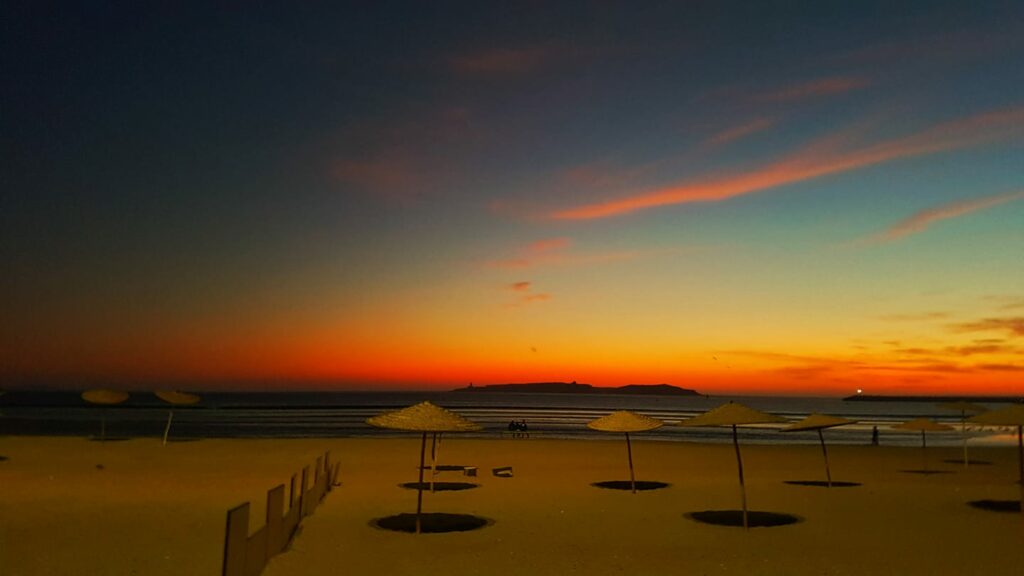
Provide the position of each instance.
(731, 197)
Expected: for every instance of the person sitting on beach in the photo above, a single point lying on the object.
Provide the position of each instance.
(524, 429)
(513, 427)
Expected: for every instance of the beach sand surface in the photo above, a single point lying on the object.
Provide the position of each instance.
(153, 510)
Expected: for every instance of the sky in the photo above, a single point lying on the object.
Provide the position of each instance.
(741, 198)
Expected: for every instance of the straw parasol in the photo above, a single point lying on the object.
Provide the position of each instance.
(923, 425)
(626, 422)
(174, 398)
(819, 422)
(734, 414)
(1009, 416)
(423, 417)
(104, 398)
(963, 407)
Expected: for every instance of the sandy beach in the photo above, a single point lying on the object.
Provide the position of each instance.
(160, 510)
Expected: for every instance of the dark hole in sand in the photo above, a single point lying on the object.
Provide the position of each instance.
(641, 485)
(446, 468)
(822, 483)
(969, 462)
(431, 523)
(996, 505)
(755, 518)
(927, 472)
(3, 458)
(441, 486)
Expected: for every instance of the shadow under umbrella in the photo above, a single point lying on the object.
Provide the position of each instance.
(924, 425)
(424, 418)
(625, 421)
(1010, 416)
(735, 414)
(819, 422)
(440, 486)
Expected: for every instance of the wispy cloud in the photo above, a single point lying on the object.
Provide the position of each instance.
(548, 245)
(1012, 325)
(406, 157)
(1005, 302)
(916, 317)
(829, 155)
(920, 221)
(502, 60)
(556, 252)
(742, 131)
(816, 88)
(526, 294)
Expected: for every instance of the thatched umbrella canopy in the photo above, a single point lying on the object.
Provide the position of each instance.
(626, 422)
(104, 397)
(819, 422)
(423, 417)
(963, 407)
(1009, 416)
(734, 414)
(923, 425)
(174, 398)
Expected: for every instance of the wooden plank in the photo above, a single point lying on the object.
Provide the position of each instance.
(256, 552)
(302, 491)
(276, 538)
(335, 474)
(291, 522)
(235, 541)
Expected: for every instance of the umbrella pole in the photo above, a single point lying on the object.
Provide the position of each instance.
(739, 464)
(824, 452)
(924, 452)
(167, 429)
(629, 454)
(963, 432)
(419, 486)
(433, 461)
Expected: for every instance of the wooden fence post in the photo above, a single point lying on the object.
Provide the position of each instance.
(235, 540)
(276, 538)
(303, 505)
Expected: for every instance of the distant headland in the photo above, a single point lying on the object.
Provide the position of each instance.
(574, 388)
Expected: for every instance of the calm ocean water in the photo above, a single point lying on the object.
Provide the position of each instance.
(343, 414)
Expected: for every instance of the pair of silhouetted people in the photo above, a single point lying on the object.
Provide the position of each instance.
(519, 429)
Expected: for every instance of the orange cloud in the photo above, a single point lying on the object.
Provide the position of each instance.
(827, 86)
(822, 157)
(553, 252)
(520, 286)
(925, 218)
(548, 245)
(741, 131)
(1013, 325)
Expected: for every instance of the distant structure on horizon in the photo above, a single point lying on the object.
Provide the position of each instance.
(575, 388)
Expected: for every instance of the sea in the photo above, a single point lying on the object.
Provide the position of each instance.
(547, 415)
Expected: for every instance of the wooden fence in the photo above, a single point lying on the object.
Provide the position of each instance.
(247, 555)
